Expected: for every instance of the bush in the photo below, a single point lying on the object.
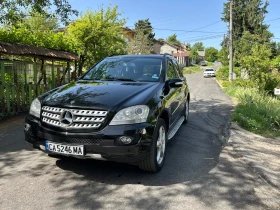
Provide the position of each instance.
(223, 73)
(243, 83)
(259, 113)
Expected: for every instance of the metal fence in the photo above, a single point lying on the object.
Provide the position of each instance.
(21, 82)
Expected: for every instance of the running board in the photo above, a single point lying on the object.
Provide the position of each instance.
(176, 128)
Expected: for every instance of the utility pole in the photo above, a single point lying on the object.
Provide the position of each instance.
(230, 45)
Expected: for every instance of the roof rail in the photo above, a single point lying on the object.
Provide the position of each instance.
(166, 54)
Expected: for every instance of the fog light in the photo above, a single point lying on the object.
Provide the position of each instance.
(125, 139)
(27, 127)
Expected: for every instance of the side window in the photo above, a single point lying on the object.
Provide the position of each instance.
(177, 68)
(171, 72)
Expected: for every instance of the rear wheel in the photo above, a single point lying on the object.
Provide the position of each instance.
(186, 113)
(155, 159)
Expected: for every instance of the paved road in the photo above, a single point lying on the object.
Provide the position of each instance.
(197, 174)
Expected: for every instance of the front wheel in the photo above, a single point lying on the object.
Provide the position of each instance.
(155, 159)
(186, 113)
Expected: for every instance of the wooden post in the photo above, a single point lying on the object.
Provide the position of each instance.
(30, 94)
(8, 99)
(68, 69)
(23, 97)
(64, 74)
(53, 81)
(2, 86)
(58, 76)
(2, 72)
(25, 76)
(35, 72)
(13, 98)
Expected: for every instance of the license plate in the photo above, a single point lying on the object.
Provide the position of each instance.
(64, 149)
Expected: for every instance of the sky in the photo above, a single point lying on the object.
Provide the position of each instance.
(191, 20)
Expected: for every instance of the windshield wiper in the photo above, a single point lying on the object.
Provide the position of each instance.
(119, 79)
(126, 79)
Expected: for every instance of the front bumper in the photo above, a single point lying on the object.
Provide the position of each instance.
(97, 144)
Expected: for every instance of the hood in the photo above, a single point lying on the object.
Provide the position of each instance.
(100, 95)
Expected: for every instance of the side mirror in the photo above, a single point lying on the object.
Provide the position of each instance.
(175, 83)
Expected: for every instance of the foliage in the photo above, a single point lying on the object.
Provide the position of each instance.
(276, 63)
(144, 28)
(140, 44)
(13, 11)
(249, 28)
(47, 39)
(41, 22)
(211, 54)
(248, 16)
(223, 56)
(9, 78)
(259, 113)
(257, 64)
(98, 35)
(194, 54)
(198, 46)
(173, 40)
(191, 69)
(223, 73)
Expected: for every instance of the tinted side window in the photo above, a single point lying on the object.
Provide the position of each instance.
(171, 72)
(177, 67)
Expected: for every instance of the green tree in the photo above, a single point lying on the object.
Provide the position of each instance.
(173, 40)
(47, 39)
(258, 64)
(249, 27)
(13, 11)
(211, 54)
(140, 44)
(198, 46)
(223, 56)
(144, 27)
(41, 22)
(98, 35)
(249, 16)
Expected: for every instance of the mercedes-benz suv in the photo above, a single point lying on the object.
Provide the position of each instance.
(125, 109)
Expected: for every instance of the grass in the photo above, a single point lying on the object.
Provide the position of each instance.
(191, 69)
(210, 63)
(255, 112)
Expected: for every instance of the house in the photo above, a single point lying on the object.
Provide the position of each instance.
(179, 52)
(201, 55)
(128, 34)
(183, 58)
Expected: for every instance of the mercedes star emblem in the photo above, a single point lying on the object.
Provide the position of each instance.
(66, 118)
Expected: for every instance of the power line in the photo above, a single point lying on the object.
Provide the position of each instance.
(272, 20)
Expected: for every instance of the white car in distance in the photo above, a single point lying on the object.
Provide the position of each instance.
(209, 72)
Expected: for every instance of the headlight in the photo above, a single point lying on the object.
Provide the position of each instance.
(131, 115)
(35, 108)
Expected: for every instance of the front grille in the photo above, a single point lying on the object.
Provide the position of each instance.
(66, 139)
(74, 118)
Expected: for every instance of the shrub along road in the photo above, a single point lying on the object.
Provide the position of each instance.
(199, 173)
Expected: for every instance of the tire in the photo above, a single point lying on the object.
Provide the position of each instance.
(186, 113)
(155, 159)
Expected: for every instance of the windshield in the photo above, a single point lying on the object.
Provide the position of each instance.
(126, 69)
(209, 69)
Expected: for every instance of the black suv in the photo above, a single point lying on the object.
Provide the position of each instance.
(123, 109)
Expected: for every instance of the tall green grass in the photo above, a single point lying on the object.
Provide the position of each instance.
(256, 112)
(191, 69)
